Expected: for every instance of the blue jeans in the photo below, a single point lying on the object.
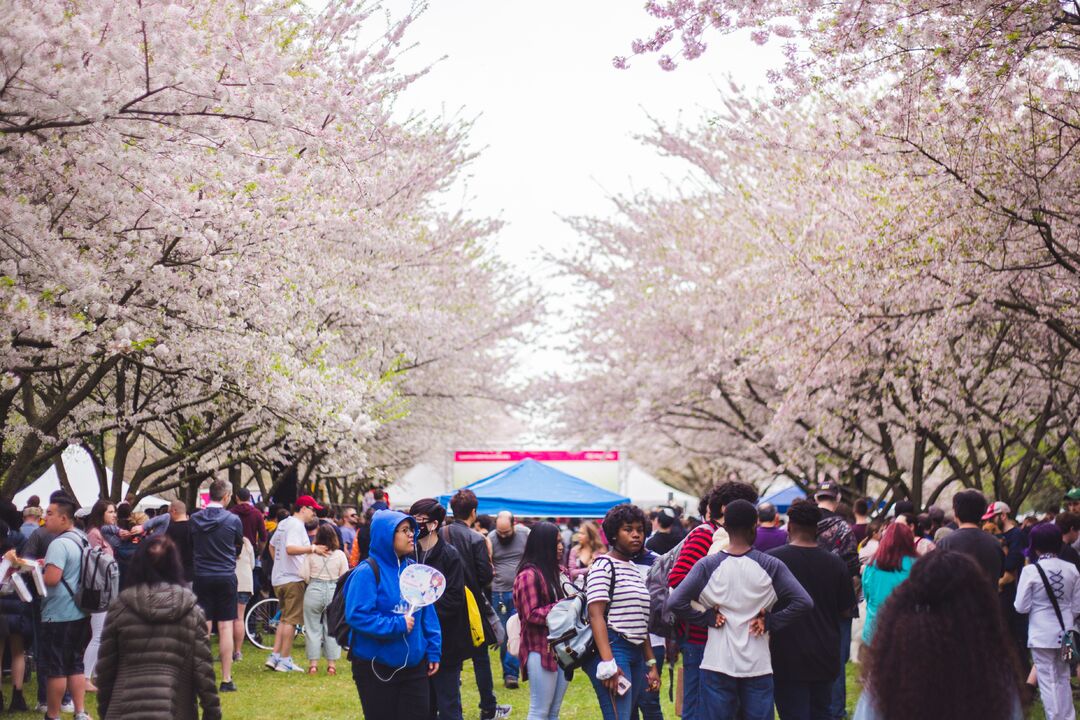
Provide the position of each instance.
(691, 658)
(631, 660)
(504, 607)
(838, 704)
(728, 698)
(649, 702)
(546, 690)
(481, 663)
(446, 692)
(797, 700)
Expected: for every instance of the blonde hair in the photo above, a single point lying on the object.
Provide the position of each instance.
(593, 539)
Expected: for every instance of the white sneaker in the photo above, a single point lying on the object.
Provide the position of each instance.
(68, 707)
(272, 661)
(287, 665)
(41, 708)
(82, 716)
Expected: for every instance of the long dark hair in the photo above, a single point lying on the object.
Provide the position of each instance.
(156, 561)
(542, 553)
(941, 649)
(96, 518)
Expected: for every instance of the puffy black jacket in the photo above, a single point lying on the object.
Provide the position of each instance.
(155, 661)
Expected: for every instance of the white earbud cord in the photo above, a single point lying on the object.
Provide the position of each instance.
(404, 638)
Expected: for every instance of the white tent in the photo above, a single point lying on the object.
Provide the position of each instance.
(647, 492)
(421, 481)
(83, 480)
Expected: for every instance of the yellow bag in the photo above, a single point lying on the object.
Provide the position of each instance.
(476, 625)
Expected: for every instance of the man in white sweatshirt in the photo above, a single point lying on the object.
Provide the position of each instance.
(740, 595)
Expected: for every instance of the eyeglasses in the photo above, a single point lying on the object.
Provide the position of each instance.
(405, 530)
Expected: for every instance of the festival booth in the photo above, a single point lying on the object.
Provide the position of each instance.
(532, 489)
(647, 492)
(83, 480)
(783, 499)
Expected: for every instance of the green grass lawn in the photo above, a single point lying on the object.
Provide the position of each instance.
(267, 695)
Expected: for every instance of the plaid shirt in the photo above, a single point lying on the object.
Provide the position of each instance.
(533, 600)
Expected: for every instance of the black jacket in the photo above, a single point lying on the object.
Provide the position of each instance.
(479, 572)
(451, 608)
(217, 536)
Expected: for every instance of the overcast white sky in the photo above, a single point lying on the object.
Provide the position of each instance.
(555, 121)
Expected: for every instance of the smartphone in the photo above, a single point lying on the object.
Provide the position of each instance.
(624, 685)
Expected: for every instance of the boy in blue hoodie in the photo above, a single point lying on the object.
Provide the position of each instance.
(392, 654)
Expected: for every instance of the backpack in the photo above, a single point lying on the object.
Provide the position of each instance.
(335, 612)
(570, 634)
(656, 582)
(99, 577)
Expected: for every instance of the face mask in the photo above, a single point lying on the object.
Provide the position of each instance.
(424, 531)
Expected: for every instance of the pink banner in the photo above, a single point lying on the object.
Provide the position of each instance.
(538, 455)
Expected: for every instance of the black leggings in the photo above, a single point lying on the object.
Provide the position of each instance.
(405, 697)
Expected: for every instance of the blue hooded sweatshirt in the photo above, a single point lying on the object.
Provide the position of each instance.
(375, 615)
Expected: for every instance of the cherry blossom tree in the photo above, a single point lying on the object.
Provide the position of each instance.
(218, 243)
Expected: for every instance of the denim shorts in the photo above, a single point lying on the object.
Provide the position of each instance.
(243, 598)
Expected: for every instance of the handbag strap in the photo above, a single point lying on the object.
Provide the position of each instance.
(1053, 598)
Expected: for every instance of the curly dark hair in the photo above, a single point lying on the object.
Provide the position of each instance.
(729, 491)
(941, 648)
(624, 514)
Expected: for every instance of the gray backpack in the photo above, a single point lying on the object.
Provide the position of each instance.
(656, 581)
(99, 576)
(570, 634)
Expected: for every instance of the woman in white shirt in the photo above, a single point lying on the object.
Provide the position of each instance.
(321, 574)
(1044, 628)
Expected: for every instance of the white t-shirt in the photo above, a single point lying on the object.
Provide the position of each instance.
(290, 531)
(740, 588)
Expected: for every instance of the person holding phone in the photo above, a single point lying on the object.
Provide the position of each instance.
(618, 603)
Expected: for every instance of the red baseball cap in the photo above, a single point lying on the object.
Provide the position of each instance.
(307, 501)
(996, 508)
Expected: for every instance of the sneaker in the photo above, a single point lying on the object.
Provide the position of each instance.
(68, 707)
(510, 683)
(287, 665)
(82, 716)
(227, 686)
(237, 656)
(272, 661)
(41, 708)
(501, 712)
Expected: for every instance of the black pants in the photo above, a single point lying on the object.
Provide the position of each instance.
(404, 697)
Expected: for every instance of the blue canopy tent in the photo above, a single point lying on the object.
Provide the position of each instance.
(532, 489)
(782, 499)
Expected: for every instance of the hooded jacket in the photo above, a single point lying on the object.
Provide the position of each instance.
(155, 660)
(451, 608)
(373, 607)
(251, 519)
(217, 537)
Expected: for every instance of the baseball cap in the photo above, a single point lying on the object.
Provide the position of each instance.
(996, 508)
(307, 501)
(83, 512)
(1073, 495)
(828, 489)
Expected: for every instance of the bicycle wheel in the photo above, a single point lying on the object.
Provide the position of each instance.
(261, 623)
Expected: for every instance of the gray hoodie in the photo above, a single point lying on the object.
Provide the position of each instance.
(217, 537)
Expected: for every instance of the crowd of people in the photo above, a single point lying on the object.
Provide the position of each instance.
(950, 615)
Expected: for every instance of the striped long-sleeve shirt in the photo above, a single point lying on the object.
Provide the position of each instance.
(695, 547)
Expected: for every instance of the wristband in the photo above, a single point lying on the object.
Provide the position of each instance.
(606, 669)
(651, 662)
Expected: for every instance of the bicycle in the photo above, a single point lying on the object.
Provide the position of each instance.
(261, 623)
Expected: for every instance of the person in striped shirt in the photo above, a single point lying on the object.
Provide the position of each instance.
(618, 603)
(697, 545)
